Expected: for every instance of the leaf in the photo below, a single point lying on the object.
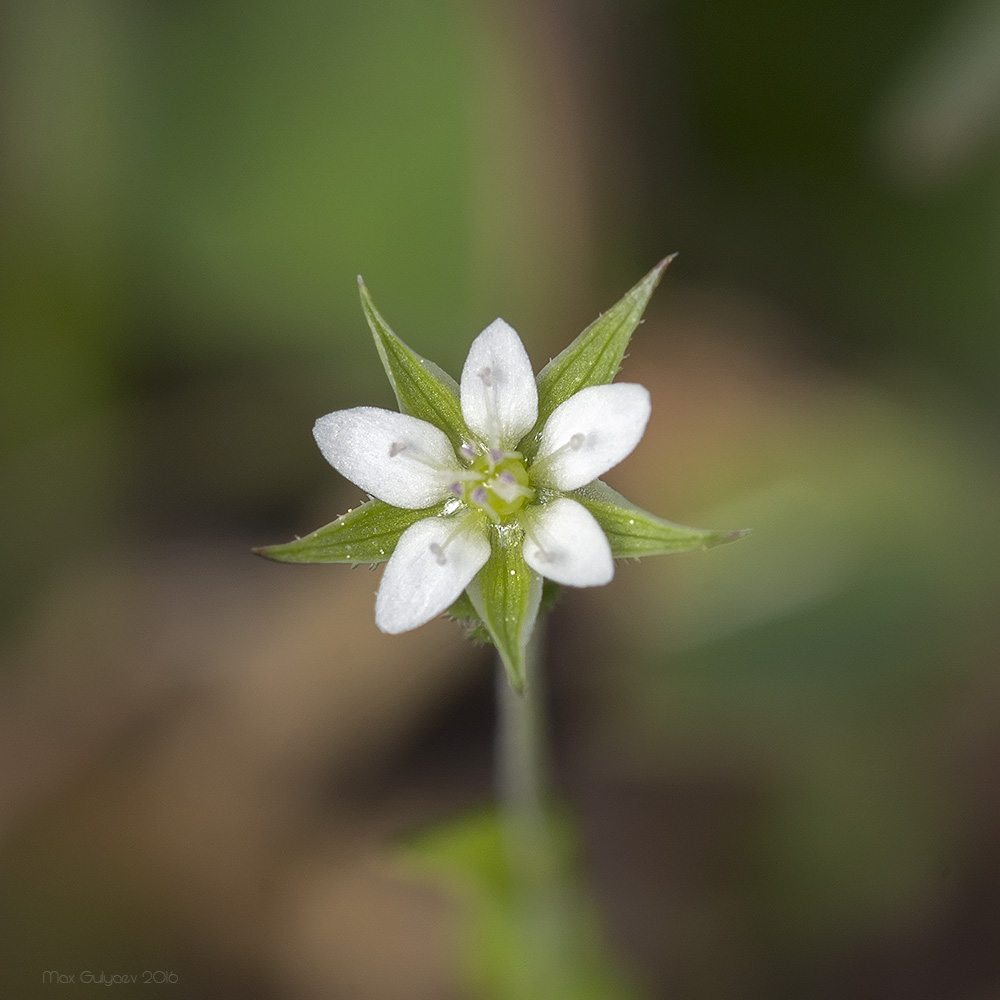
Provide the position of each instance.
(506, 595)
(367, 534)
(595, 356)
(422, 388)
(517, 946)
(634, 532)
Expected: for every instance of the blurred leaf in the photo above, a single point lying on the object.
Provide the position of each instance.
(520, 947)
(304, 141)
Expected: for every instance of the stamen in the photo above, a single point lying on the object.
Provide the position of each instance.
(575, 443)
(481, 499)
(412, 453)
(509, 489)
(437, 549)
(468, 452)
(489, 381)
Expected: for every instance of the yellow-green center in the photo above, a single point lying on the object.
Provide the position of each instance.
(505, 486)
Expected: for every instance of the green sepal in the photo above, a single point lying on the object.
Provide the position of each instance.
(634, 532)
(506, 594)
(422, 388)
(595, 356)
(463, 612)
(366, 534)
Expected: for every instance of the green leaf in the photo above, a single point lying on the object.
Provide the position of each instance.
(634, 532)
(518, 946)
(595, 356)
(422, 388)
(506, 595)
(367, 534)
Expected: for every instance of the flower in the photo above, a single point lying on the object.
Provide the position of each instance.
(480, 489)
(487, 485)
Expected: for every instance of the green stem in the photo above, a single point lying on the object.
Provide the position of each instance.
(543, 898)
(522, 770)
(555, 954)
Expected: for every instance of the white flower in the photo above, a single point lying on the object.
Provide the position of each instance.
(487, 484)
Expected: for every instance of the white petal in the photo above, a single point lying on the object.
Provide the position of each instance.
(433, 562)
(566, 544)
(399, 459)
(498, 394)
(590, 433)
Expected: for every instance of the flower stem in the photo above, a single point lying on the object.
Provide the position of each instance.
(536, 855)
(523, 771)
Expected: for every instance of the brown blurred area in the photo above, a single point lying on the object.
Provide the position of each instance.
(781, 754)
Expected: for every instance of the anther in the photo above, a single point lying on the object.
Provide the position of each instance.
(395, 448)
(506, 486)
(438, 552)
(481, 498)
(486, 374)
(576, 441)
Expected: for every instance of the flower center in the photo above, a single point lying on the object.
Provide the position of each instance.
(498, 483)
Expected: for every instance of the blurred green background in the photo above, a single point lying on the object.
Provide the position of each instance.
(781, 754)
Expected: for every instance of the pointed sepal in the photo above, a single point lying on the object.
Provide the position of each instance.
(366, 534)
(422, 388)
(595, 356)
(506, 595)
(634, 532)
